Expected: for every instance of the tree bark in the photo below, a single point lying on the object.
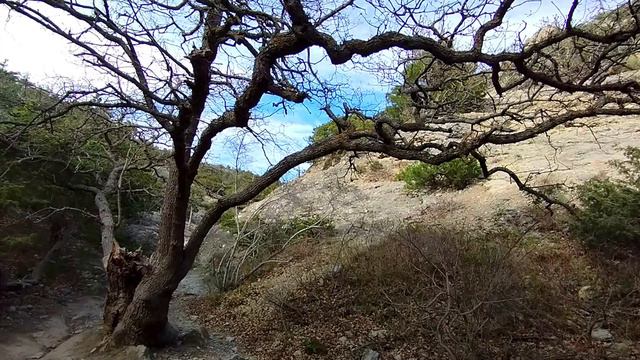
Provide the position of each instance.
(56, 240)
(107, 235)
(145, 319)
(140, 309)
(124, 272)
(3, 279)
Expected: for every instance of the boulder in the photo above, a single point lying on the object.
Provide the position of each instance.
(600, 334)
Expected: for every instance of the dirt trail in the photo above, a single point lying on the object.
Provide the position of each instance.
(48, 325)
(31, 330)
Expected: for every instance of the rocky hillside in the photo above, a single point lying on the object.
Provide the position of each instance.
(479, 273)
(363, 187)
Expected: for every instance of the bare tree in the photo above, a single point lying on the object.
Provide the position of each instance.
(198, 67)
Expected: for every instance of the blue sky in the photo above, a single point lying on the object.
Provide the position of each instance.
(53, 58)
(52, 61)
(292, 131)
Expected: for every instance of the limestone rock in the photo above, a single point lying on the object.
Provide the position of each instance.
(139, 352)
(370, 355)
(587, 293)
(378, 334)
(235, 357)
(194, 337)
(54, 331)
(600, 334)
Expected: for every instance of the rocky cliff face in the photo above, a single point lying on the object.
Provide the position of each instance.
(363, 189)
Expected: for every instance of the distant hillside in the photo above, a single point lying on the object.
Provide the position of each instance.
(42, 162)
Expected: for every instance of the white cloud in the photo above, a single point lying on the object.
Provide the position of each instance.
(28, 48)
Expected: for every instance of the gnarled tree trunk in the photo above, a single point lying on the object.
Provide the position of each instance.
(139, 290)
(124, 272)
(145, 319)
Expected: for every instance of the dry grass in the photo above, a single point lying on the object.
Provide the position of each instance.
(429, 293)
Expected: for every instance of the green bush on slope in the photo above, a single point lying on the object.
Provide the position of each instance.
(455, 174)
(611, 208)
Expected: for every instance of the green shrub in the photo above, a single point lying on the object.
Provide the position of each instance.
(611, 208)
(258, 246)
(272, 236)
(315, 226)
(213, 180)
(460, 88)
(329, 129)
(314, 346)
(456, 174)
(19, 242)
(228, 221)
(323, 132)
(633, 62)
